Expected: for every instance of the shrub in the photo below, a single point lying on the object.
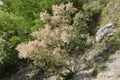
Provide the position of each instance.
(93, 11)
(4, 46)
(56, 40)
(17, 30)
(80, 21)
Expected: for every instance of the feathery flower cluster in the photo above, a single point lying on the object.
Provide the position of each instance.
(61, 14)
(45, 17)
(53, 37)
(30, 49)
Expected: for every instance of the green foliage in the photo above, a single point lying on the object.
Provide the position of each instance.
(114, 41)
(57, 40)
(104, 12)
(67, 76)
(111, 13)
(80, 21)
(28, 9)
(16, 28)
(14, 40)
(4, 46)
(78, 3)
(18, 18)
(104, 2)
(93, 11)
(78, 44)
(92, 8)
(98, 68)
(89, 15)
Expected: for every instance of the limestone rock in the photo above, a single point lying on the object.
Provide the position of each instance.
(102, 31)
(29, 74)
(112, 71)
(84, 75)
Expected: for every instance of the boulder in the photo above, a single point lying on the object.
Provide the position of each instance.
(84, 75)
(102, 31)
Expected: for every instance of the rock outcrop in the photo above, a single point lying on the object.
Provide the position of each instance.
(102, 31)
(29, 74)
(84, 75)
(112, 70)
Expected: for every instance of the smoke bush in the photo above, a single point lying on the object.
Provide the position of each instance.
(49, 48)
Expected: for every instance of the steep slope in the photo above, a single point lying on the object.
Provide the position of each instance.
(103, 59)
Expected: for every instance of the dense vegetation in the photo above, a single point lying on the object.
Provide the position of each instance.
(19, 18)
(49, 34)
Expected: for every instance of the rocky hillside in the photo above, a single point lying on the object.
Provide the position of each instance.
(103, 57)
(102, 60)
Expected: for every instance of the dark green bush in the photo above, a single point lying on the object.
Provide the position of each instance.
(16, 28)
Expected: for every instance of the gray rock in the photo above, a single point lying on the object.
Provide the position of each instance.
(84, 75)
(29, 74)
(112, 71)
(102, 31)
